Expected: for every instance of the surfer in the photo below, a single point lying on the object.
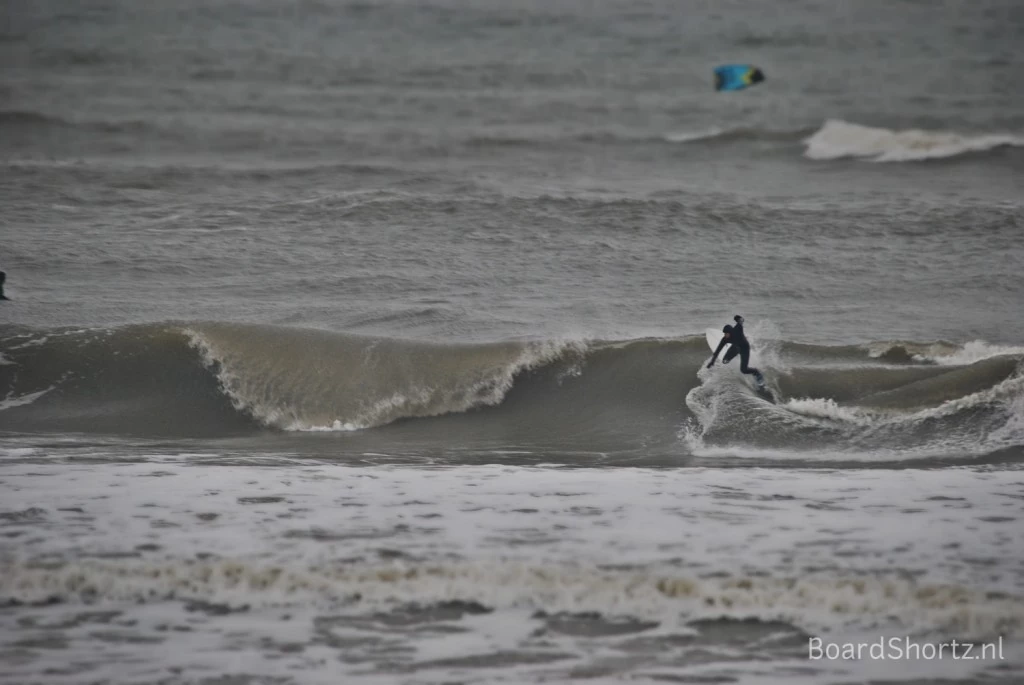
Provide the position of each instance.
(3, 277)
(740, 345)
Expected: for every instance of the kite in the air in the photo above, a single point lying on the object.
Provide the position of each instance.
(737, 76)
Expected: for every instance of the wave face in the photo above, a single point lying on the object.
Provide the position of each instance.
(839, 139)
(881, 401)
(311, 380)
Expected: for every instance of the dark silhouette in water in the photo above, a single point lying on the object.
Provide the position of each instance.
(3, 277)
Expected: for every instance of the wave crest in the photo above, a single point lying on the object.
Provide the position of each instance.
(839, 139)
(313, 380)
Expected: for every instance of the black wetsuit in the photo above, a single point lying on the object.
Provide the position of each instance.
(740, 346)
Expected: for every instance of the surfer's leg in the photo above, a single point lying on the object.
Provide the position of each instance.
(744, 361)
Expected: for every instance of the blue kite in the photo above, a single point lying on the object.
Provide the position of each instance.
(737, 76)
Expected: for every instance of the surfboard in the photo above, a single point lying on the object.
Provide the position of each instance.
(714, 337)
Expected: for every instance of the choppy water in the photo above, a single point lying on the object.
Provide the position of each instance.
(364, 342)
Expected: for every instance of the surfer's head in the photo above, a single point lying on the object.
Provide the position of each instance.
(727, 330)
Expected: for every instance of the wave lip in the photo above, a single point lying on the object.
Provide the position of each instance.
(316, 381)
(839, 139)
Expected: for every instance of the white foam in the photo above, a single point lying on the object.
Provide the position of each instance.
(879, 428)
(528, 537)
(970, 353)
(934, 553)
(766, 348)
(818, 601)
(1006, 393)
(12, 401)
(1011, 432)
(828, 409)
(379, 413)
(860, 433)
(19, 452)
(838, 139)
(692, 136)
(33, 342)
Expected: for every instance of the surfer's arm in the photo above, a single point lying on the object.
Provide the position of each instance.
(714, 357)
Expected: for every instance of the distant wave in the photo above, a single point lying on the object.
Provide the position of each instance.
(23, 118)
(546, 140)
(720, 134)
(890, 400)
(945, 353)
(26, 119)
(76, 57)
(694, 136)
(839, 139)
(712, 134)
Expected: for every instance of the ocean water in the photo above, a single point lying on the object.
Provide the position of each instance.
(364, 342)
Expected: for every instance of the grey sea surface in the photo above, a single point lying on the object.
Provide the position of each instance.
(364, 342)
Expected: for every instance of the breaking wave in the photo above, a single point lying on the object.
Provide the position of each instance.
(312, 380)
(839, 139)
(881, 401)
